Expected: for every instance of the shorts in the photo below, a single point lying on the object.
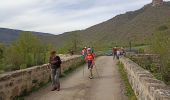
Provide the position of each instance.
(90, 64)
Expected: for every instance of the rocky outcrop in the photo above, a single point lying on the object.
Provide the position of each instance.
(146, 87)
(20, 82)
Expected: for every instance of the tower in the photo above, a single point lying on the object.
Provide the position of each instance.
(157, 2)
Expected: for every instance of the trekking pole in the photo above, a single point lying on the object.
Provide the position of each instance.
(83, 71)
(97, 71)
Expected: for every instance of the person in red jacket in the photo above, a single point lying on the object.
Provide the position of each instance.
(90, 60)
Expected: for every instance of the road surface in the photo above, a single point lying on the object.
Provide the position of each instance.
(77, 86)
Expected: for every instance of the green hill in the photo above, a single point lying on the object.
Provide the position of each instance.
(136, 26)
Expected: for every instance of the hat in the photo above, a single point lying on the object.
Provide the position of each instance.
(89, 49)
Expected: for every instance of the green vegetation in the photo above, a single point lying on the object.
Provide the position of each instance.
(27, 51)
(159, 65)
(128, 89)
(148, 64)
(160, 45)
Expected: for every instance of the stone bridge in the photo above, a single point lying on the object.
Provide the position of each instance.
(77, 86)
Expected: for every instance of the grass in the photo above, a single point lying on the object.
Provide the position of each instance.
(128, 89)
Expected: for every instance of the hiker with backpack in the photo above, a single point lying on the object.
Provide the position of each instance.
(114, 52)
(84, 52)
(55, 66)
(90, 56)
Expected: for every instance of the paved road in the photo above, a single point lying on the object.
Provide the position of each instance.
(78, 87)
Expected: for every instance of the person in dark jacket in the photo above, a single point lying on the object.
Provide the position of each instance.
(55, 64)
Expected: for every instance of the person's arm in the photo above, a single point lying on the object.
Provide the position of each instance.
(59, 60)
(49, 64)
(93, 54)
(53, 60)
(86, 58)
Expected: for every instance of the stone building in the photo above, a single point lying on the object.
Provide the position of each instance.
(157, 2)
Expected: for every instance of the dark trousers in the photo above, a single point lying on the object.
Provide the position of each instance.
(55, 73)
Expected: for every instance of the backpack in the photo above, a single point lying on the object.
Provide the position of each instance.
(90, 56)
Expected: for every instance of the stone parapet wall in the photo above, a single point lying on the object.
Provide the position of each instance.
(19, 82)
(145, 86)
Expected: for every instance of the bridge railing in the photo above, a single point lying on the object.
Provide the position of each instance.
(146, 87)
(21, 82)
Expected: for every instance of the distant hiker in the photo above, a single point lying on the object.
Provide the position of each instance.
(114, 52)
(92, 49)
(55, 64)
(122, 51)
(84, 52)
(71, 52)
(90, 60)
(118, 53)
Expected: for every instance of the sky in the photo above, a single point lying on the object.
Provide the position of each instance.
(59, 16)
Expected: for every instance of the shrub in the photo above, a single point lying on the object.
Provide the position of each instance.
(26, 52)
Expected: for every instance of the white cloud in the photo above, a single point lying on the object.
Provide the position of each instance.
(58, 16)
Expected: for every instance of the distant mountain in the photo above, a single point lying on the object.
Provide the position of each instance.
(136, 26)
(10, 35)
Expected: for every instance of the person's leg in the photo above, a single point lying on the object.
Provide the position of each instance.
(114, 55)
(91, 73)
(118, 56)
(53, 72)
(90, 66)
(57, 78)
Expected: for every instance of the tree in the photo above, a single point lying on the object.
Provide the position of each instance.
(72, 44)
(27, 51)
(160, 45)
(1, 50)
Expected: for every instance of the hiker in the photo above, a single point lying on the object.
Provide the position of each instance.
(71, 52)
(90, 60)
(84, 52)
(92, 49)
(55, 66)
(122, 51)
(118, 53)
(114, 52)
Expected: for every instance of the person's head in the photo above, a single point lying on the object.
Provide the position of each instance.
(53, 53)
(89, 50)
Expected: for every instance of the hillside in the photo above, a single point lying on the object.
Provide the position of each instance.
(136, 26)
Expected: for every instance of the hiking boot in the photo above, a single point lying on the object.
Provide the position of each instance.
(53, 89)
(58, 87)
(90, 77)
